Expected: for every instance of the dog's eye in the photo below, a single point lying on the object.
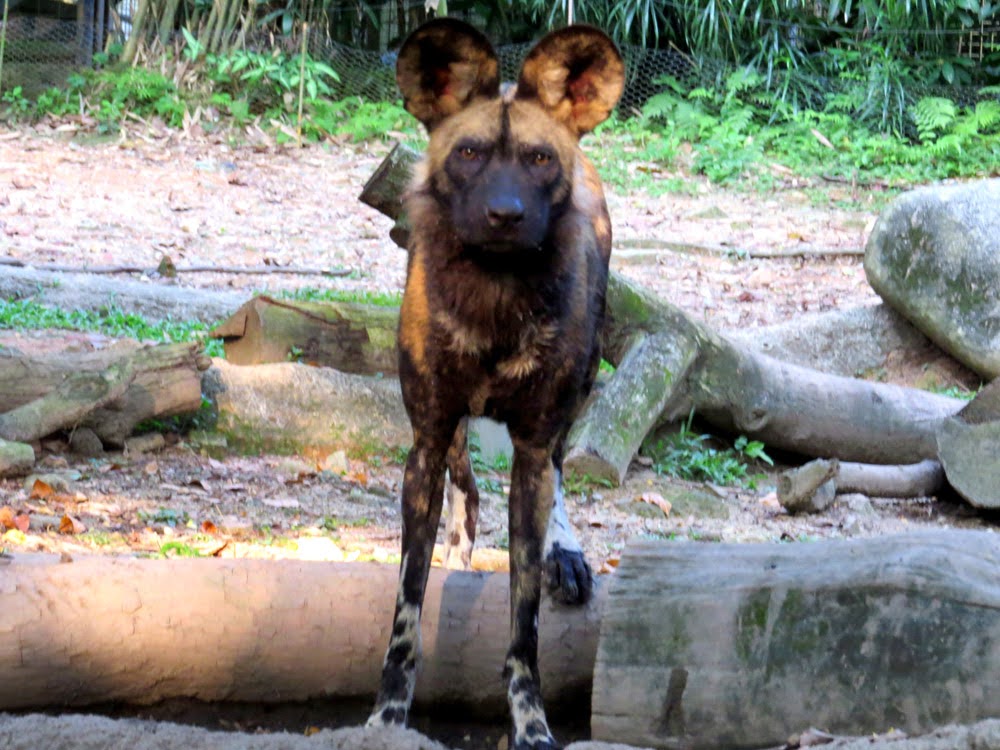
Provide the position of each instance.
(541, 158)
(468, 153)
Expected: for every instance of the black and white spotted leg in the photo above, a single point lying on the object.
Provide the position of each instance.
(531, 495)
(463, 503)
(567, 574)
(423, 486)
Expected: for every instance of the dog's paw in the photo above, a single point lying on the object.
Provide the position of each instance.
(541, 744)
(568, 576)
(389, 715)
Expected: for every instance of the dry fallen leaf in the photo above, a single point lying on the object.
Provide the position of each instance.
(70, 525)
(654, 498)
(41, 490)
(208, 527)
(6, 517)
(22, 521)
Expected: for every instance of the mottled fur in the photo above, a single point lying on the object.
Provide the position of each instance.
(504, 299)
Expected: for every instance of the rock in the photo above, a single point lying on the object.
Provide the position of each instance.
(969, 448)
(970, 455)
(147, 443)
(983, 735)
(83, 732)
(839, 342)
(934, 255)
(84, 442)
(15, 458)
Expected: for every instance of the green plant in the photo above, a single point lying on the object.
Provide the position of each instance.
(576, 484)
(178, 549)
(111, 321)
(17, 106)
(688, 455)
(312, 294)
(165, 516)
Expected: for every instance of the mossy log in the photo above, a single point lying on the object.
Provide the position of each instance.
(102, 630)
(670, 364)
(742, 645)
(350, 337)
(110, 389)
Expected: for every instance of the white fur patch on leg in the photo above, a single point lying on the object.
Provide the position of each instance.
(526, 709)
(567, 575)
(560, 530)
(457, 544)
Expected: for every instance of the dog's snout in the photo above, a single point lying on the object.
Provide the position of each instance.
(504, 212)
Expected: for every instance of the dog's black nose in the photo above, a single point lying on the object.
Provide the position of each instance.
(505, 212)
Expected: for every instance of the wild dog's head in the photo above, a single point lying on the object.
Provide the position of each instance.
(502, 165)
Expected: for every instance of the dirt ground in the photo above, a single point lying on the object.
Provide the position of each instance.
(70, 200)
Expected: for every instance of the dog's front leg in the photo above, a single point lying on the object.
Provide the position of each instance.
(531, 495)
(423, 486)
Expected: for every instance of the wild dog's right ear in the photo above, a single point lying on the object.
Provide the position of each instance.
(577, 74)
(442, 67)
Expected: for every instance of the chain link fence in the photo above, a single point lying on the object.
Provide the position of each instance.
(47, 40)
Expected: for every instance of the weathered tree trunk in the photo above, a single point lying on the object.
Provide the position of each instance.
(64, 389)
(809, 488)
(740, 645)
(141, 631)
(922, 479)
(290, 407)
(738, 390)
(68, 403)
(349, 337)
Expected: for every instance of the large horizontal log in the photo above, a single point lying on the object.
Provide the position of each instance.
(63, 388)
(140, 631)
(728, 645)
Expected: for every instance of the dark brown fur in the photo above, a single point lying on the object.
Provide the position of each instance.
(504, 298)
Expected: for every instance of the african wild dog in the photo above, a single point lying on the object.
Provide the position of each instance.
(508, 264)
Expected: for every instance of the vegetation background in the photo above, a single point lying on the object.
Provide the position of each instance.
(892, 91)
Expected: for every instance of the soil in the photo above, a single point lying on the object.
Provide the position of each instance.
(70, 199)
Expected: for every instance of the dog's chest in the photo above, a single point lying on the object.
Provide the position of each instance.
(494, 354)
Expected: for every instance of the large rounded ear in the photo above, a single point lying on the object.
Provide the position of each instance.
(577, 74)
(442, 67)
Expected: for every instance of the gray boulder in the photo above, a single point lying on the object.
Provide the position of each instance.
(934, 256)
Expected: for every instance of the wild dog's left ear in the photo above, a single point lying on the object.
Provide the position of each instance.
(577, 74)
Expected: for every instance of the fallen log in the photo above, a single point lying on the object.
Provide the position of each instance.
(924, 479)
(738, 390)
(67, 404)
(99, 630)
(350, 337)
(809, 488)
(291, 407)
(60, 389)
(741, 645)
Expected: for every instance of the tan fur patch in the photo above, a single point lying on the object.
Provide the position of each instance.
(534, 341)
(414, 314)
(462, 339)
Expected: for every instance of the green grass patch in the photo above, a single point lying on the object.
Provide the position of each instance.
(358, 296)
(110, 321)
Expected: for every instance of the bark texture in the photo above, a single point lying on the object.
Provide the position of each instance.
(140, 631)
(730, 645)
